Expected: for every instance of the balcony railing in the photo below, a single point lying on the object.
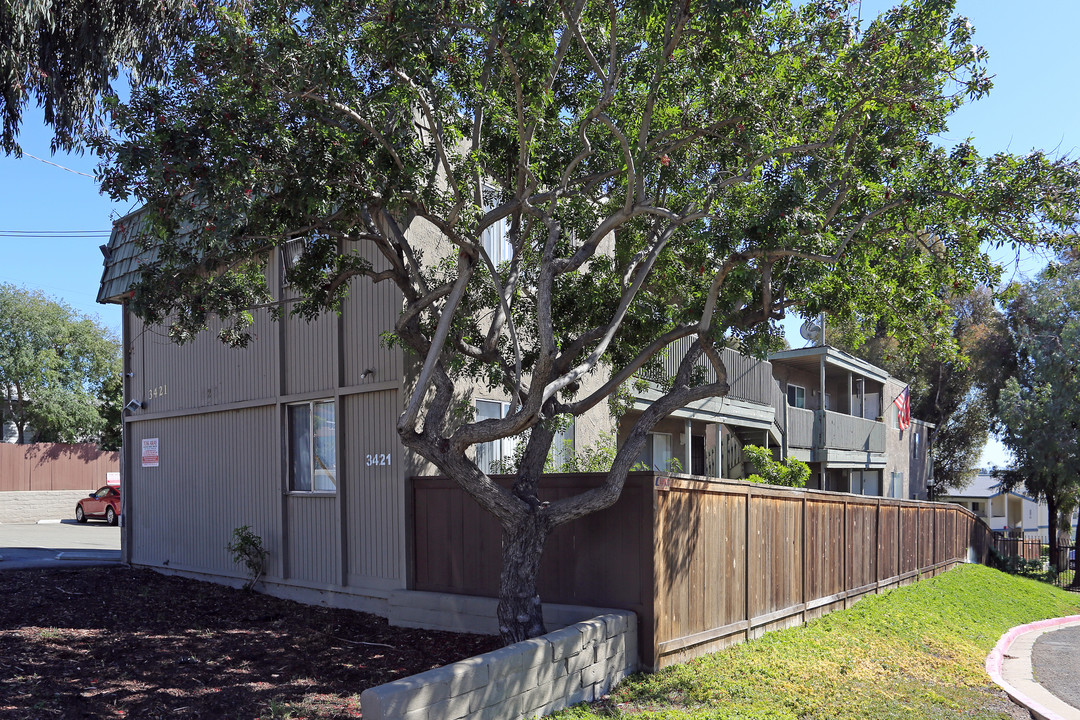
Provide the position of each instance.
(800, 427)
(847, 432)
(749, 379)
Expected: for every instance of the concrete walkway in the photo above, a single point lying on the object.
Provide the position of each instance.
(1046, 688)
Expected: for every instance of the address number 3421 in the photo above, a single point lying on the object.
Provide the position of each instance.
(378, 459)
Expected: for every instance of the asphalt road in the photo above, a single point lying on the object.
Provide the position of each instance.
(1054, 662)
(62, 544)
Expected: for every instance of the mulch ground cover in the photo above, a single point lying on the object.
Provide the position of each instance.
(123, 643)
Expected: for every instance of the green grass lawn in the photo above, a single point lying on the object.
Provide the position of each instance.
(913, 652)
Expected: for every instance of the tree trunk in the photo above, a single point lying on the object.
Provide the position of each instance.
(520, 612)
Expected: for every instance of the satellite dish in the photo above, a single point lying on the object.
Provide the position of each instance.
(811, 331)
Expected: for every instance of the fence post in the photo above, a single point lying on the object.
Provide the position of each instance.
(918, 539)
(877, 542)
(846, 555)
(805, 555)
(746, 582)
(899, 541)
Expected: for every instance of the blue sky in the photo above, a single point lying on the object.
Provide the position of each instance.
(1033, 53)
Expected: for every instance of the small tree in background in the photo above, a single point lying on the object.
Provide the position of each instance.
(1039, 406)
(59, 371)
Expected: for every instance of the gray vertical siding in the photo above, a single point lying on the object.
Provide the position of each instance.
(308, 357)
(215, 474)
(204, 372)
(847, 432)
(749, 378)
(314, 541)
(376, 492)
(217, 413)
(800, 427)
(365, 317)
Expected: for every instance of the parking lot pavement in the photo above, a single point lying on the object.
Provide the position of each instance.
(66, 543)
(1054, 660)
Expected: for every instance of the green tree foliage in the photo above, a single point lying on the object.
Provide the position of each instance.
(790, 472)
(1039, 406)
(59, 371)
(65, 54)
(662, 170)
(955, 392)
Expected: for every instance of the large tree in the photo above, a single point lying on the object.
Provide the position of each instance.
(957, 393)
(663, 170)
(63, 55)
(59, 371)
(1039, 407)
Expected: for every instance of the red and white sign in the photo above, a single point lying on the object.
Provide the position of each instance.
(150, 452)
(112, 479)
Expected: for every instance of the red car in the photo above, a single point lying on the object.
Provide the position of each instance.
(105, 503)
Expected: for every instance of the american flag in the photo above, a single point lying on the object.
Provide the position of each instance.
(903, 409)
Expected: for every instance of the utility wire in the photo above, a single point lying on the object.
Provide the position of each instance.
(49, 162)
(59, 234)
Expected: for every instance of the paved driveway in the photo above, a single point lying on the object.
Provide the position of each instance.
(1055, 660)
(60, 544)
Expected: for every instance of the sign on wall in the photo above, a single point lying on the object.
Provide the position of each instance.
(112, 479)
(150, 452)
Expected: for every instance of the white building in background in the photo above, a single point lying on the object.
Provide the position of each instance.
(1005, 510)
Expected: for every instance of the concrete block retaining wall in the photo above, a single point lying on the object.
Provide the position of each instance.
(527, 679)
(29, 507)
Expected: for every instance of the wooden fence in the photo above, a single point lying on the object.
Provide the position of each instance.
(54, 466)
(703, 564)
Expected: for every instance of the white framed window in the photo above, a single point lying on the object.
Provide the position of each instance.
(491, 455)
(496, 237)
(312, 446)
(796, 396)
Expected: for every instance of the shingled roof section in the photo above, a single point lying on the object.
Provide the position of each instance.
(125, 257)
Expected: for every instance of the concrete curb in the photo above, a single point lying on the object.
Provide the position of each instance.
(1023, 696)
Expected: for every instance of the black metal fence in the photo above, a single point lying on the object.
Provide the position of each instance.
(1031, 556)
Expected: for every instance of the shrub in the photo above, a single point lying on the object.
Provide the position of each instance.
(790, 472)
(247, 549)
